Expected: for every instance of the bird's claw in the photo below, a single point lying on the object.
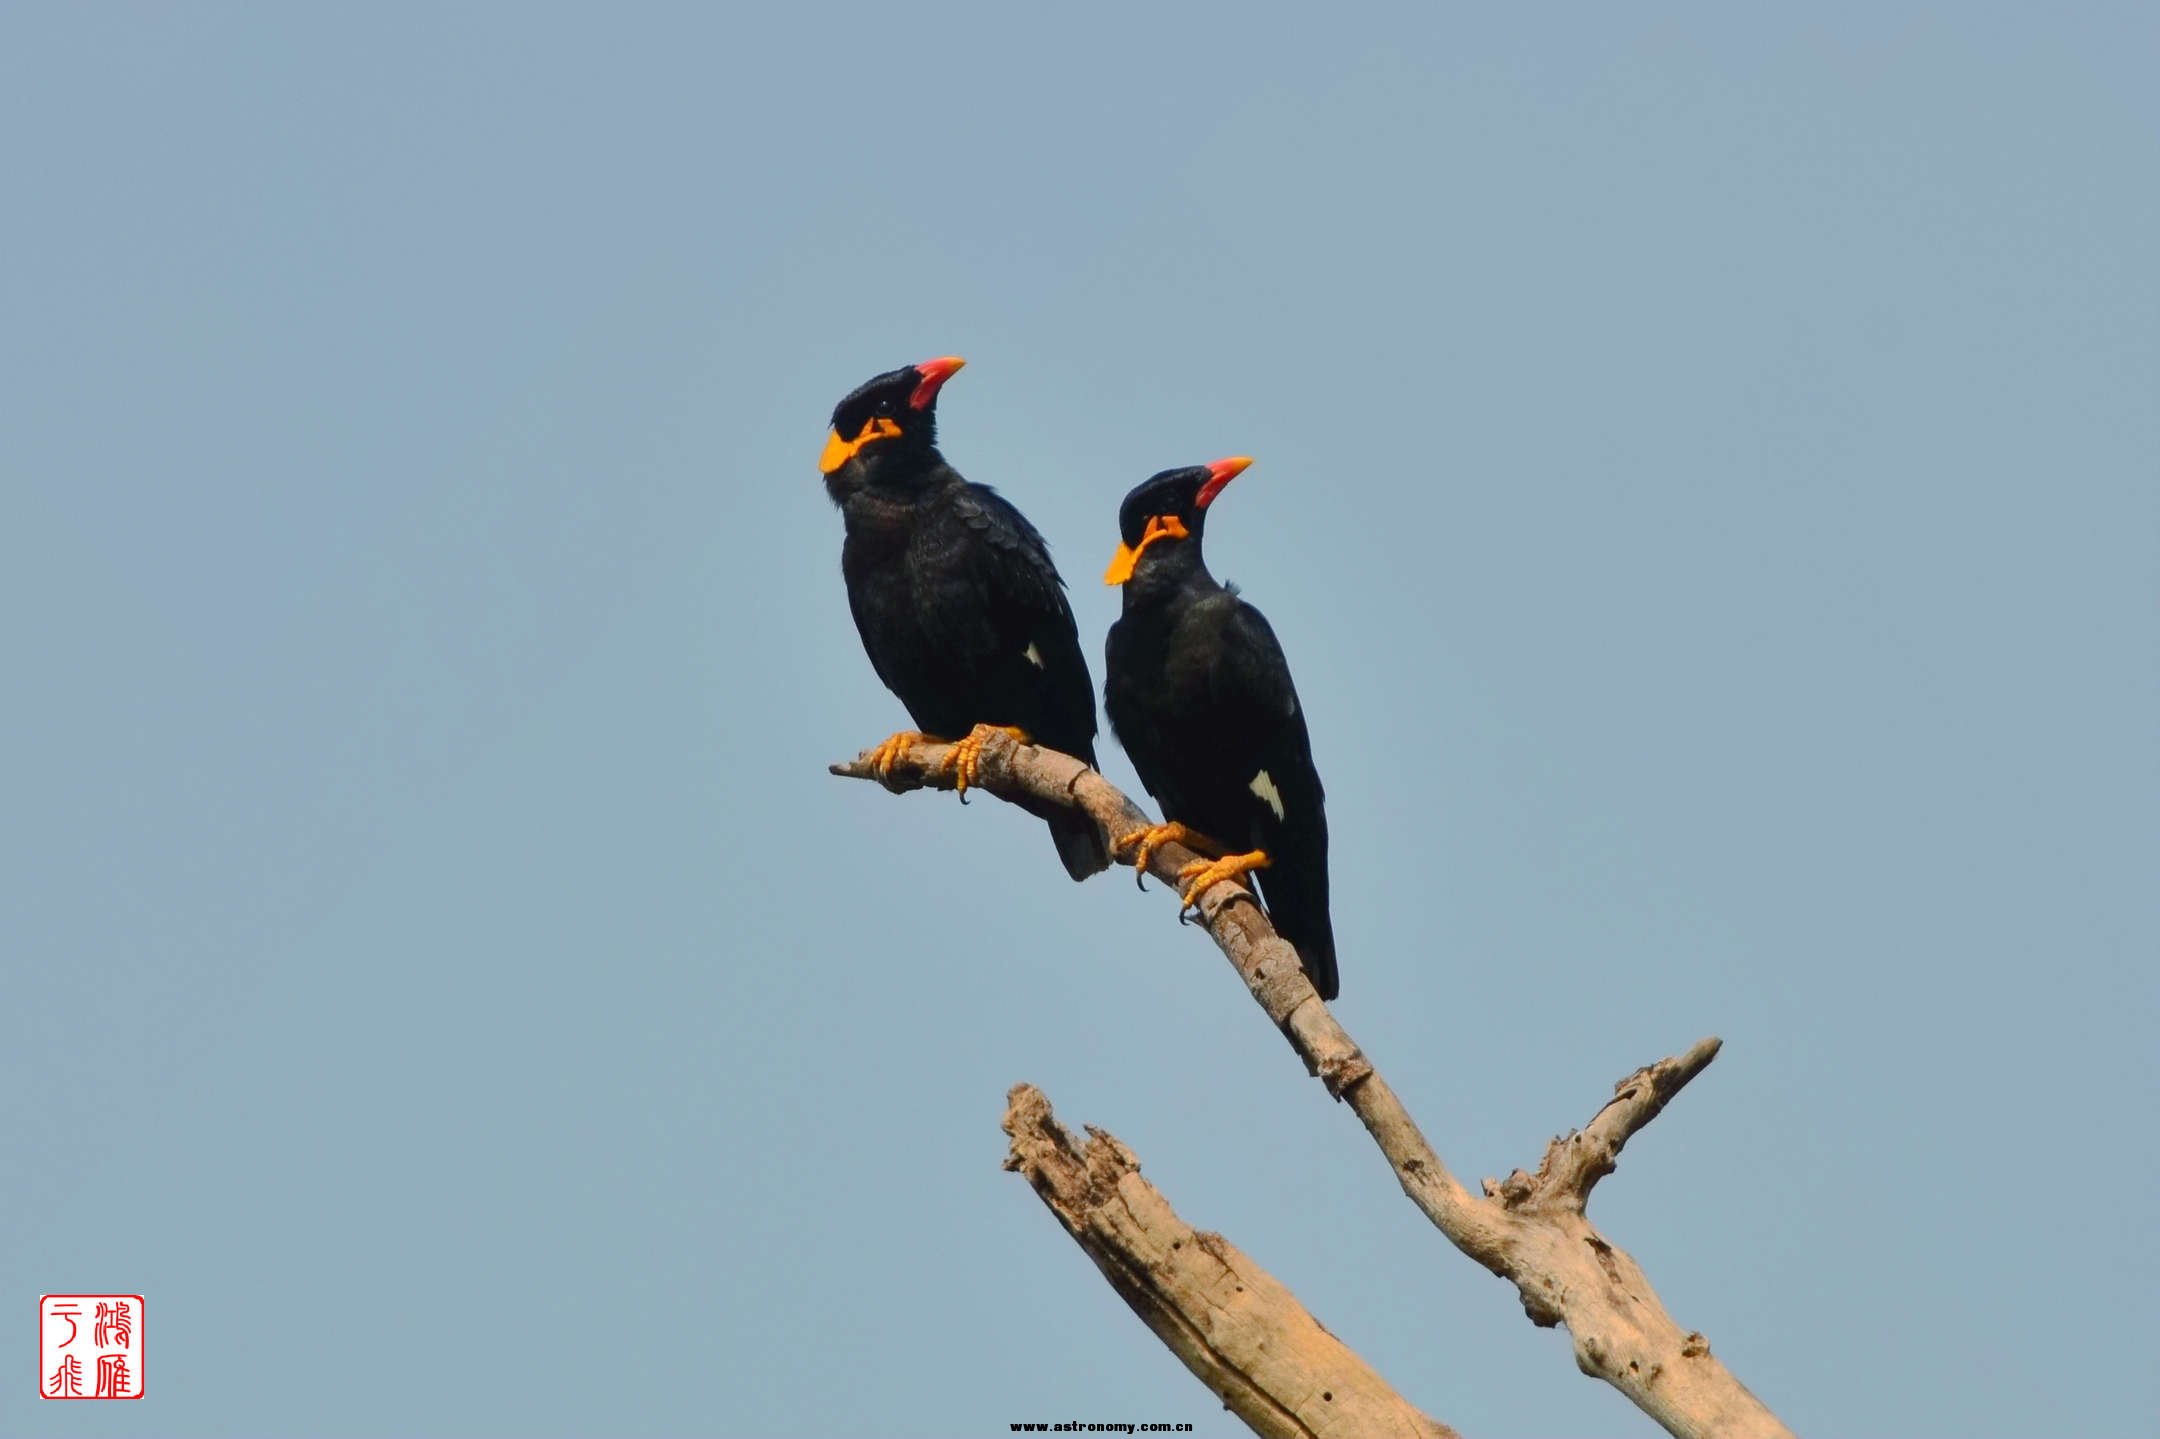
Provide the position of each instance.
(965, 761)
(1146, 838)
(1145, 841)
(888, 751)
(1202, 875)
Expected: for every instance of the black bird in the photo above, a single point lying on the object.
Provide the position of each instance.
(961, 611)
(1199, 694)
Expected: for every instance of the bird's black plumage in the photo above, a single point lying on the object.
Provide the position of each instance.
(1199, 694)
(959, 607)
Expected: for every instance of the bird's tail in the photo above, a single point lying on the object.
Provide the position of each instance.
(1318, 957)
(1297, 904)
(1079, 843)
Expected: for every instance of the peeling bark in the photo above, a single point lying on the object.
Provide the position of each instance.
(1229, 1321)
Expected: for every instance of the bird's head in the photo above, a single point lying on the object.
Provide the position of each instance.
(883, 423)
(1160, 522)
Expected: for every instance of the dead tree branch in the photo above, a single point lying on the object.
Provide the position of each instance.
(1530, 1230)
(1229, 1321)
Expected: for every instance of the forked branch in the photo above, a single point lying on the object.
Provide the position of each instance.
(1530, 1230)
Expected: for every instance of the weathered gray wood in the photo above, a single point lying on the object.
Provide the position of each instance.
(1530, 1229)
(1229, 1321)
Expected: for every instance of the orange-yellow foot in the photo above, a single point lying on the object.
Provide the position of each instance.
(966, 758)
(1202, 875)
(1154, 837)
(887, 754)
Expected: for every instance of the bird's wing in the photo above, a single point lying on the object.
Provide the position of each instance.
(1288, 806)
(1015, 562)
(1251, 680)
(1015, 584)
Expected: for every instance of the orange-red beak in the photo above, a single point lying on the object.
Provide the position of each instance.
(1221, 473)
(934, 375)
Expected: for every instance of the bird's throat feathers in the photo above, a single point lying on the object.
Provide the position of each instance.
(877, 497)
(1163, 570)
(897, 471)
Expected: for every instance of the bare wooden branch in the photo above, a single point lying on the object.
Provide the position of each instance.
(1531, 1230)
(1574, 1163)
(1229, 1321)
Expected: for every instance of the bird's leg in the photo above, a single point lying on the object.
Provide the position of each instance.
(1155, 836)
(888, 752)
(1201, 875)
(966, 758)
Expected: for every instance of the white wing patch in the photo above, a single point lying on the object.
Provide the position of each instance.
(1263, 785)
(1034, 656)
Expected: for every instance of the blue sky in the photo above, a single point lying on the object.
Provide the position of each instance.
(1705, 489)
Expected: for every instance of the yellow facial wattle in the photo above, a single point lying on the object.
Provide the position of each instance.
(1127, 558)
(838, 451)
